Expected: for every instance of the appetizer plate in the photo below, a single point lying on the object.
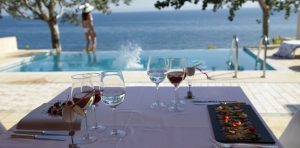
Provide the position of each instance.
(237, 123)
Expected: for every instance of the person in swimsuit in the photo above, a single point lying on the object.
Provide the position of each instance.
(88, 27)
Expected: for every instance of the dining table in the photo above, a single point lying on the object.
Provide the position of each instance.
(146, 127)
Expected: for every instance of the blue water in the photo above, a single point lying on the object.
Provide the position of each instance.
(133, 59)
(154, 30)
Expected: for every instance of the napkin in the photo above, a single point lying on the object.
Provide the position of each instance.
(38, 119)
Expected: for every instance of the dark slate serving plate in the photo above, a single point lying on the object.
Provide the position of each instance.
(266, 138)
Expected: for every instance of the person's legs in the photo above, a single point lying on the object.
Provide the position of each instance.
(88, 38)
(94, 39)
(94, 57)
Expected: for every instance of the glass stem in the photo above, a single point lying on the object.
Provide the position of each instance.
(176, 96)
(114, 130)
(72, 140)
(157, 85)
(71, 133)
(95, 116)
(86, 126)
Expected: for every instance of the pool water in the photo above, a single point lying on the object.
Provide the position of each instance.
(215, 59)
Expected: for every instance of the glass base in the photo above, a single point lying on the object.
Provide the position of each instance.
(115, 133)
(98, 128)
(157, 104)
(86, 140)
(181, 102)
(176, 108)
(118, 133)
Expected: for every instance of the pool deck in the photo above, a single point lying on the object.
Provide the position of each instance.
(276, 97)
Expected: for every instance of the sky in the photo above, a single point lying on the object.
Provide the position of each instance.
(148, 5)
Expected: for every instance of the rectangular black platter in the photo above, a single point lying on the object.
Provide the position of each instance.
(252, 116)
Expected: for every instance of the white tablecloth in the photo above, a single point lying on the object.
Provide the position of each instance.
(147, 128)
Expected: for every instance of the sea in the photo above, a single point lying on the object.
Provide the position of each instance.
(192, 29)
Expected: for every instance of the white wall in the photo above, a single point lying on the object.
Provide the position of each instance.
(8, 44)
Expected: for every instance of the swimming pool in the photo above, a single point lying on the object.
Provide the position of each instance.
(214, 59)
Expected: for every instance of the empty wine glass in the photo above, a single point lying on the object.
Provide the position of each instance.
(83, 96)
(96, 81)
(176, 74)
(113, 94)
(156, 70)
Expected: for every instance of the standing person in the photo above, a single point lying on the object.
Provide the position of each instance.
(88, 27)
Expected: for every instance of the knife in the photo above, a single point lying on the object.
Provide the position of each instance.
(32, 132)
(39, 137)
(214, 102)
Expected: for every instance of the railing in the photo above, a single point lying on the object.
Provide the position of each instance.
(261, 41)
(265, 42)
(235, 44)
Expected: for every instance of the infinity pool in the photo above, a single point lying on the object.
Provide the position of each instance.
(215, 59)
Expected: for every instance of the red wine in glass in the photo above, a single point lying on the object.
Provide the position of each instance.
(97, 97)
(175, 77)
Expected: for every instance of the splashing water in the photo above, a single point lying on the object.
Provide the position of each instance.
(129, 57)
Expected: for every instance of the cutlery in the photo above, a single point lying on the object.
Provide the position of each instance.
(214, 102)
(39, 137)
(239, 145)
(32, 132)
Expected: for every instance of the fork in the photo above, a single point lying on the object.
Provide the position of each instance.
(239, 145)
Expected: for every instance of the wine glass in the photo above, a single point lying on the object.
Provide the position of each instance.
(176, 74)
(156, 70)
(83, 96)
(113, 94)
(96, 81)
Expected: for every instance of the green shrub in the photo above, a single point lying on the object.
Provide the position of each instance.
(276, 40)
(211, 46)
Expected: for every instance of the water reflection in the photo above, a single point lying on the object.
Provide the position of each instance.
(57, 64)
(230, 66)
(92, 58)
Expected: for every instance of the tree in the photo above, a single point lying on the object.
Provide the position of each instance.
(1, 7)
(50, 11)
(267, 7)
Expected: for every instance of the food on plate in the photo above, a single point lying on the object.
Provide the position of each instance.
(57, 107)
(234, 123)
